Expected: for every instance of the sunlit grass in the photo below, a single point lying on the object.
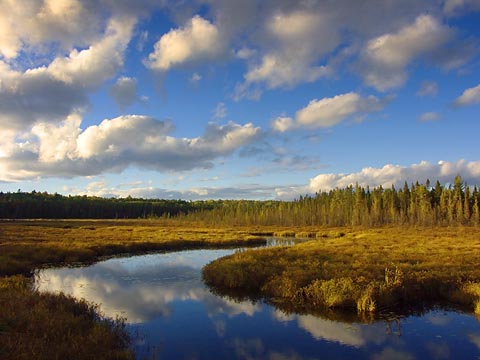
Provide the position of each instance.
(47, 326)
(55, 326)
(26, 245)
(367, 270)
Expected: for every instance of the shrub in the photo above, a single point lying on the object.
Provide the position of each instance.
(366, 302)
(333, 293)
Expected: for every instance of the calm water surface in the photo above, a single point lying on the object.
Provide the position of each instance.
(172, 315)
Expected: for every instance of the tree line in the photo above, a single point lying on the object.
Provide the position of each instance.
(34, 205)
(414, 204)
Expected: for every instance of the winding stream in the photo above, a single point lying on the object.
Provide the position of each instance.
(172, 315)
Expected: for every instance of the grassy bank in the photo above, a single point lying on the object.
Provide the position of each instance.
(26, 245)
(375, 270)
(47, 326)
(369, 270)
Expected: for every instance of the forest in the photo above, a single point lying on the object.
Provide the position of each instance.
(41, 205)
(421, 204)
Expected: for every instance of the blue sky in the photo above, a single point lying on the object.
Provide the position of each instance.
(227, 99)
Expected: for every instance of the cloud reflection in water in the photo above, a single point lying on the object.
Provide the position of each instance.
(170, 312)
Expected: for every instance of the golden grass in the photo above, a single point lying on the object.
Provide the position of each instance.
(46, 326)
(25, 245)
(368, 270)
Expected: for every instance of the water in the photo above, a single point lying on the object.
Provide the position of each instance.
(172, 315)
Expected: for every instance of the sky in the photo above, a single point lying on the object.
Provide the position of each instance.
(227, 99)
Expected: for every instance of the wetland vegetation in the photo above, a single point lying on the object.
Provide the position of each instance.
(369, 251)
(366, 270)
(45, 326)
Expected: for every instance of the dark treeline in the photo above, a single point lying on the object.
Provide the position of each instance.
(417, 204)
(414, 204)
(34, 205)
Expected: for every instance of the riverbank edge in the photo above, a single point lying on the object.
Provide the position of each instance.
(353, 271)
(43, 326)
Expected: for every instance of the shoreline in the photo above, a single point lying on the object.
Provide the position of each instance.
(362, 271)
(342, 268)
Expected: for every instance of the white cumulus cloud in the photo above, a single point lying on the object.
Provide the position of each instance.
(51, 93)
(390, 174)
(115, 144)
(283, 123)
(328, 112)
(470, 96)
(386, 57)
(99, 62)
(297, 40)
(34, 22)
(198, 40)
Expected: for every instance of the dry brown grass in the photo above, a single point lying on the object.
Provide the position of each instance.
(46, 326)
(25, 245)
(340, 267)
(370, 270)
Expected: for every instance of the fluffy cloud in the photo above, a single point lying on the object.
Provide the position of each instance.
(124, 91)
(277, 70)
(328, 112)
(470, 96)
(283, 123)
(32, 23)
(387, 175)
(301, 42)
(396, 175)
(35, 95)
(113, 145)
(297, 40)
(43, 26)
(198, 40)
(51, 93)
(386, 57)
(99, 62)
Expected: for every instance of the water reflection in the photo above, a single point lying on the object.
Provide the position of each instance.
(145, 287)
(172, 315)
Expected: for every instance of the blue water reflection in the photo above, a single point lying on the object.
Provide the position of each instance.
(172, 315)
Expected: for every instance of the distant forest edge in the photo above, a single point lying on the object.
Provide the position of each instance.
(414, 204)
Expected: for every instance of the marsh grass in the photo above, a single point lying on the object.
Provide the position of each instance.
(26, 245)
(55, 326)
(48, 326)
(373, 270)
